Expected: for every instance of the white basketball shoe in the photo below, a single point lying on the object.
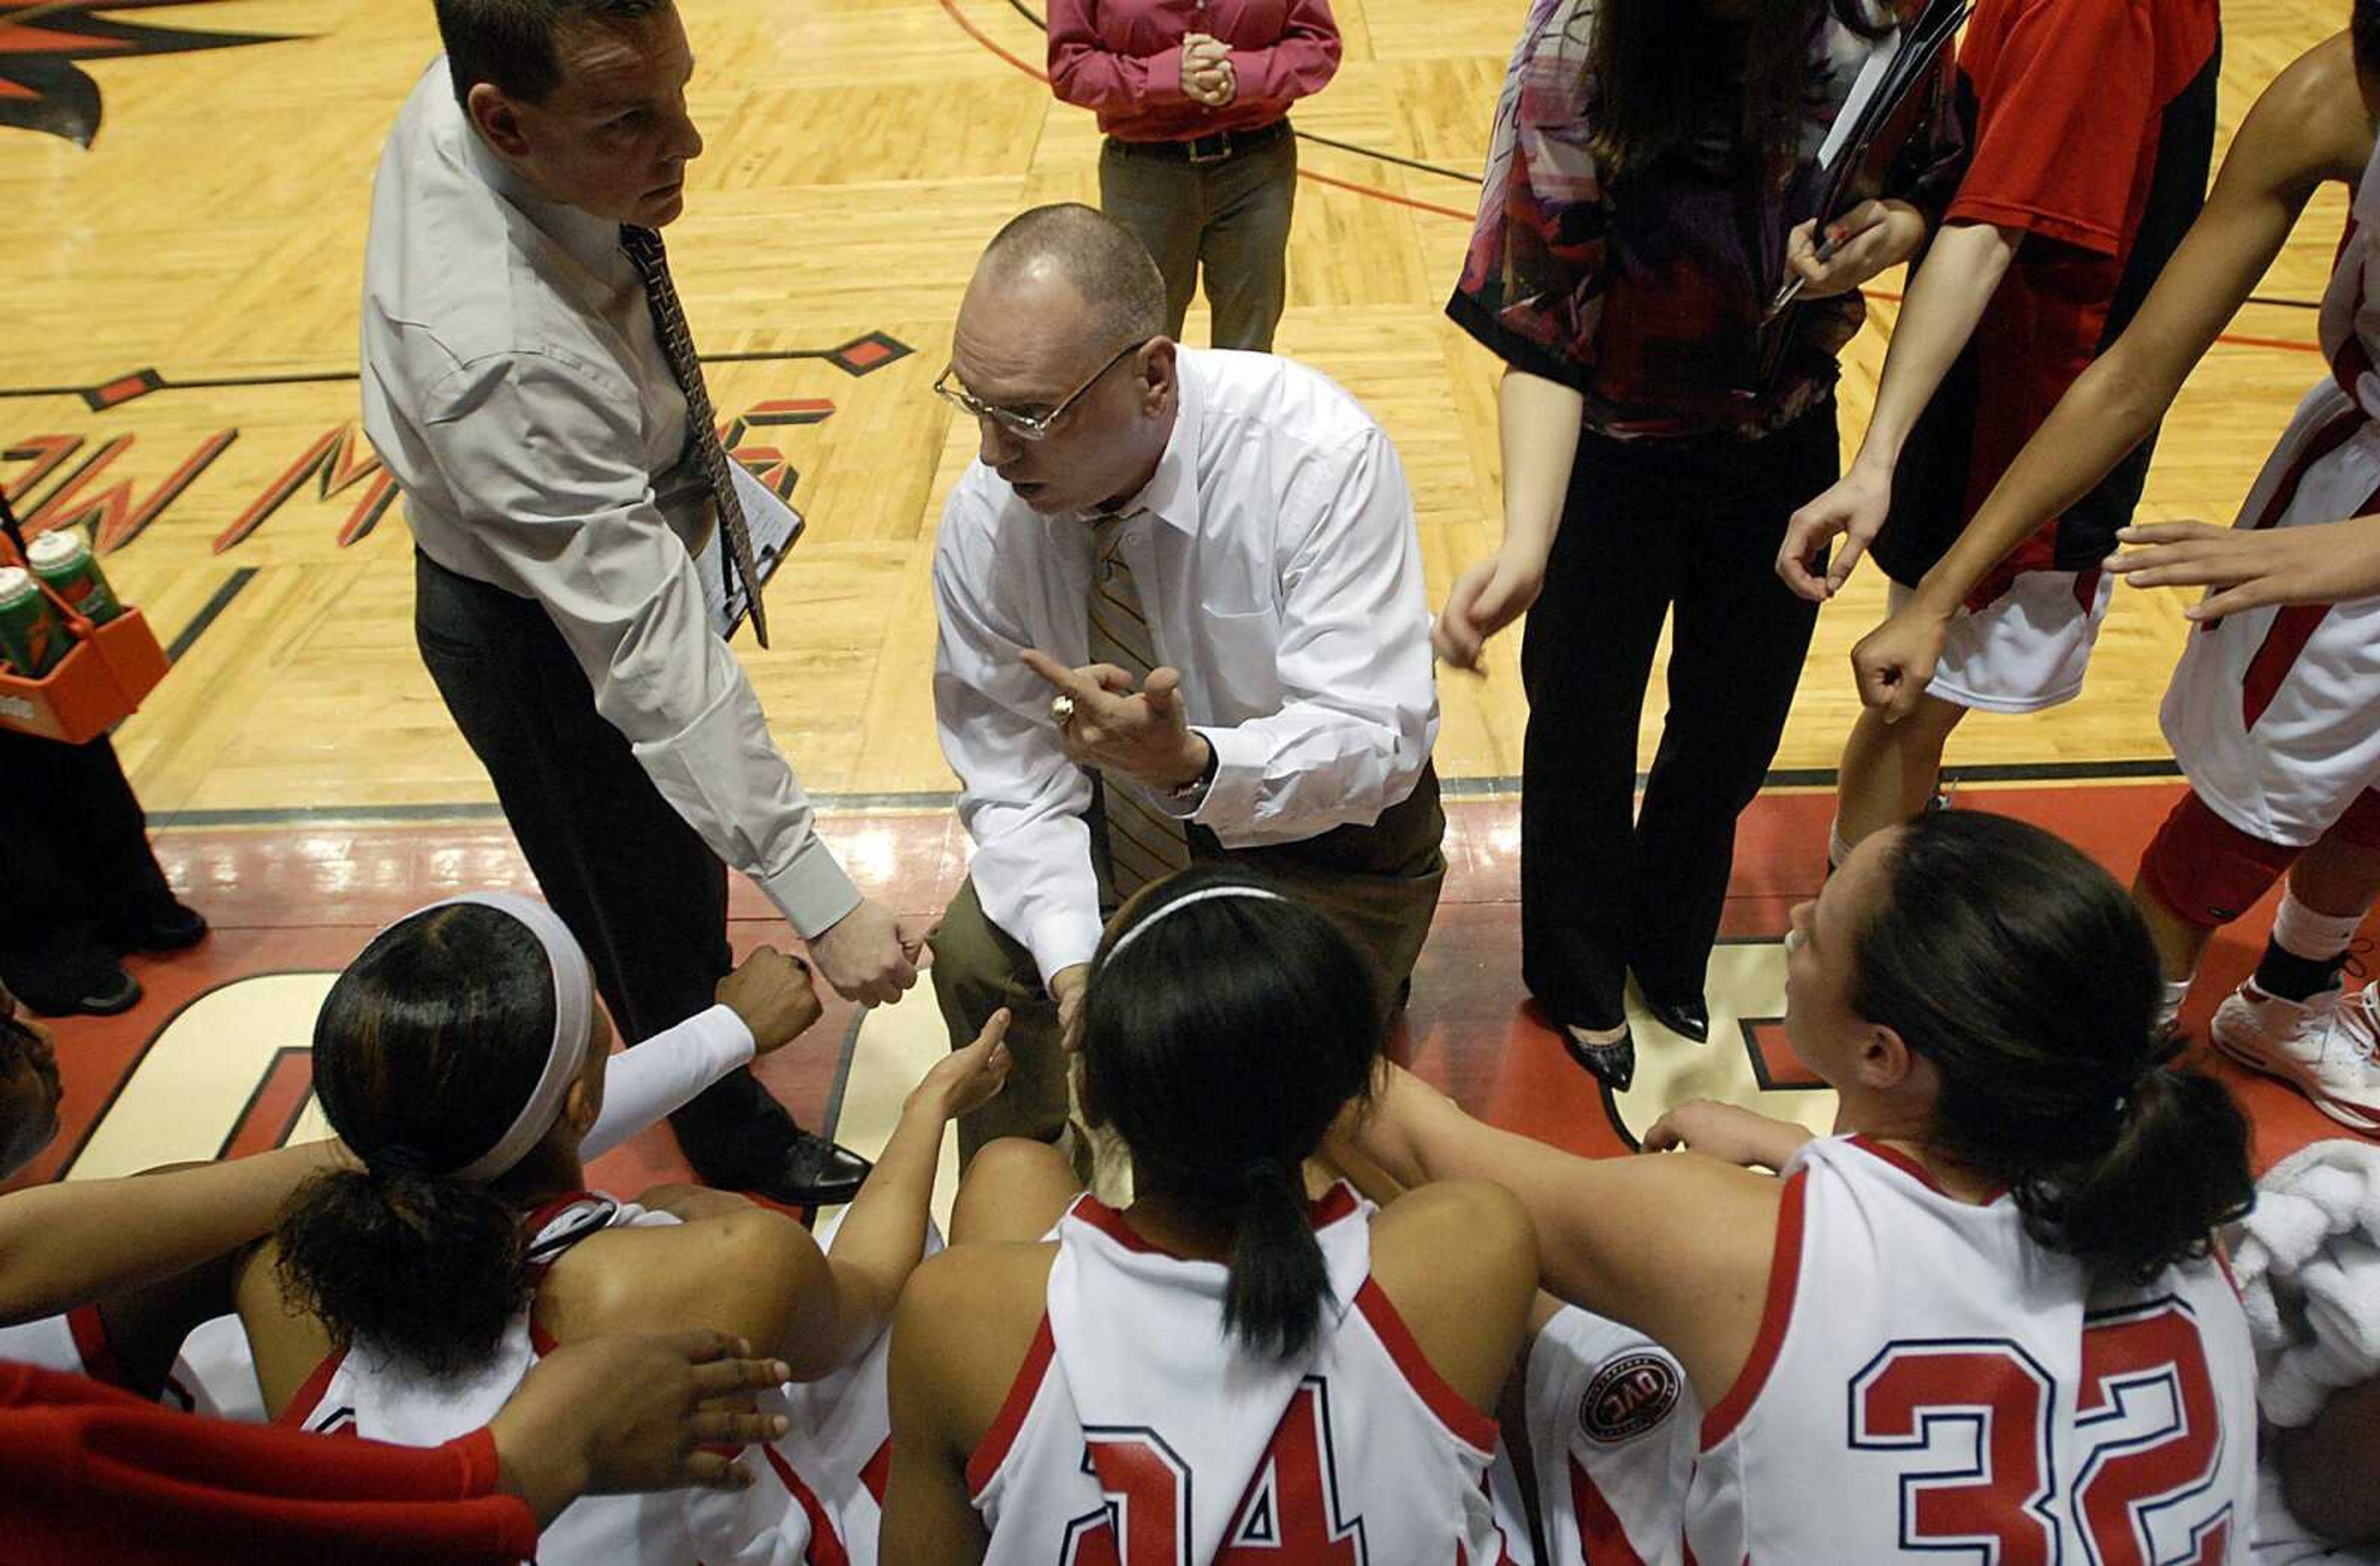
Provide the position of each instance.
(2322, 1046)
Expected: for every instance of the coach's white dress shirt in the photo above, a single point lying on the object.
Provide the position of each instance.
(1275, 552)
(512, 384)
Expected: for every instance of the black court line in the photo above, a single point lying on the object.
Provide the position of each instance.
(233, 587)
(334, 377)
(2146, 771)
(833, 1115)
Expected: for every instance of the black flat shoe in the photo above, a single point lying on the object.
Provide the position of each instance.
(112, 996)
(1613, 1061)
(176, 928)
(1687, 1017)
(806, 1170)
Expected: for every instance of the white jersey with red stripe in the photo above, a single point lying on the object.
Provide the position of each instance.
(2274, 714)
(1612, 1427)
(777, 1522)
(1930, 1384)
(1136, 1435)
(77, 1344)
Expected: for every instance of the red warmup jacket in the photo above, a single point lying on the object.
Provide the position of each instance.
(91, 1473)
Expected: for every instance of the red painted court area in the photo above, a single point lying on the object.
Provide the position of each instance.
(305, 898)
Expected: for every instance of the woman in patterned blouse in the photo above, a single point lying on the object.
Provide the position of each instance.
(1651, 162)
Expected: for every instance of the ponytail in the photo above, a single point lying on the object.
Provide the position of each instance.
(2022, 972)
(426, 1266)
(1273, 1302)
(424, 1052)
(1224, 1029)
(2171, 1169)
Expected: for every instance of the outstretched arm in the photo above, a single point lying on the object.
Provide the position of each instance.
(1699, 1292)
(65, 1244)
(2244, 569)
(1954, 286)
(2308, 127)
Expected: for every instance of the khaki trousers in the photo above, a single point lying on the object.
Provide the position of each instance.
(1381, 882)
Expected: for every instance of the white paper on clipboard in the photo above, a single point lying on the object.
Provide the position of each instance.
(775, 528)
(1864, 90)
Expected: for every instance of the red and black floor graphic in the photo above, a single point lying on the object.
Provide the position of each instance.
(41, 86)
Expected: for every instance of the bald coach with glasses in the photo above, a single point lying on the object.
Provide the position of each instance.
(1182, 618)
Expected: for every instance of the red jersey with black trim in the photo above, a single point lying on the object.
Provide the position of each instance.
(1930, 1383)
(2094, 129)
(1136, 1434)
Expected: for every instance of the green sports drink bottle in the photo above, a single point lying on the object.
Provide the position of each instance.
(32, 634)
(67, 564)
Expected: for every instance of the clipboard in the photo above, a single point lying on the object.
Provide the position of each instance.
(775, 528)
(1874, 121)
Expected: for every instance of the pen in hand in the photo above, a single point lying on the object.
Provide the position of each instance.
(1785, 295)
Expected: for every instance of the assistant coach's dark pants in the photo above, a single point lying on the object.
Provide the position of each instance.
(641, 891)
(78, 881)
(1653, 527)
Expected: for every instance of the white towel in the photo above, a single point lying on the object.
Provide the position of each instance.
(2308, 1262)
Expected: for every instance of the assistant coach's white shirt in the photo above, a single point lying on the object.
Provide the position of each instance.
(512, 384)
(1276, 554)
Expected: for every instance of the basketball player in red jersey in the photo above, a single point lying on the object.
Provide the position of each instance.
(2273, 712)
(1247, 1362)
(2018, 1219)
(2093, 130)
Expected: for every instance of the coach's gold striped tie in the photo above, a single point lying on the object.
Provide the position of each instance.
(1144, 843)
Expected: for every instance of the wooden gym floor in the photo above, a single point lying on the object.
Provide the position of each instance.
(178, 358)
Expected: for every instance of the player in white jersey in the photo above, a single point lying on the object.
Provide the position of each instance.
(1606, 1441)
(460, 1057)
(2275, 711)
(107, 1278)
(1986, 1319)
(1248, 1364)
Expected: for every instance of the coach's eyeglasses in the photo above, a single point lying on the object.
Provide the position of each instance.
(1024, 425)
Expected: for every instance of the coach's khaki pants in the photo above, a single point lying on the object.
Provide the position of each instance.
(1381, 882)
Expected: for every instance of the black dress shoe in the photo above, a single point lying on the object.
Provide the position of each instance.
(805, 1171)
(170, 929)
(1687, 1017)
(1612, 1061)
(115, 993)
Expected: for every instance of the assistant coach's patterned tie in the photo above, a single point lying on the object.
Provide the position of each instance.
(644, 248)
(1144, 843)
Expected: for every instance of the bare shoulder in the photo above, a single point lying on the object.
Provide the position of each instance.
(738, 1272)
(967, 1325)
(1459, 1261)
(1479, 1221)
(2313, 122)
(286, 1341)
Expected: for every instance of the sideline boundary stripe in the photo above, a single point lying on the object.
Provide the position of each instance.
(2145, 769)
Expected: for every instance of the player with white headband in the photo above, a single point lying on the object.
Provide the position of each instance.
(461, 1058)
(106, 1278)
(1248, 1356)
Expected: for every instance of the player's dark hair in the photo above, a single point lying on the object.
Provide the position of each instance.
(2020, 969)
(1669, 76)
(1221, 1045)
(429, 1046)
(510, 43)
(2364, 25)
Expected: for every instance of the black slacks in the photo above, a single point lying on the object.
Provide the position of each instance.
(77, 876)
(640, 889)
(1652, 529)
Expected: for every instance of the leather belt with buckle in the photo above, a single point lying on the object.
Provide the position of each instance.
(1218, 148)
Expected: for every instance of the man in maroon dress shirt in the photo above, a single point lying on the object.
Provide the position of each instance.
(1199, 163)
